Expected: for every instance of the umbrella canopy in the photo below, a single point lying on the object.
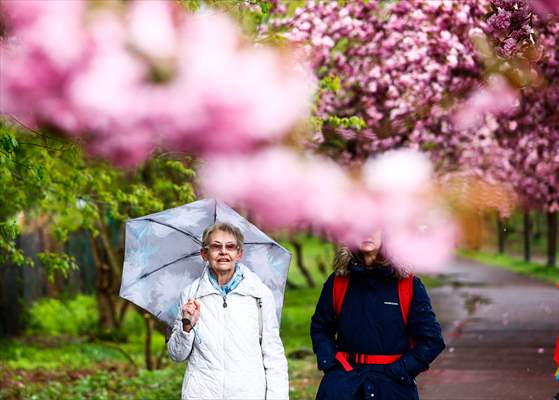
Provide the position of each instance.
(162, 255)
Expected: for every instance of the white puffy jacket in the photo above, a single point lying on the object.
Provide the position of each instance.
(225, 358)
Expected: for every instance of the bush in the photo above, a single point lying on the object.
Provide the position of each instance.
(53, 317)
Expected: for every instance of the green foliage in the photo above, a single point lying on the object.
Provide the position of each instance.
(330, 83)
(50, 317)
(9, 230)
(77, 316)
(60, 262)
(37, 353)
(47, 178)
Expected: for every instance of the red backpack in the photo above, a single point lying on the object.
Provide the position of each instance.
(405, 294)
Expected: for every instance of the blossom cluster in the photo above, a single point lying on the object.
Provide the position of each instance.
(530, 136)
(405, 66)
(397, 62)
(126, 78)
(509, 26)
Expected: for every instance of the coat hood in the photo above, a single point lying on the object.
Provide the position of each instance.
(344, 256)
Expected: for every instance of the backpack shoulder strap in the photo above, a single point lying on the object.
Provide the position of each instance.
(338, 292)
(405, 293)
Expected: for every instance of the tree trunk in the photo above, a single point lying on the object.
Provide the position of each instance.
(113, 262)
(527, 236)
(501, 234)
(113, 275)
(321, 265)
(147, 347)
(300, 263)
(102, 292)
(551, 239)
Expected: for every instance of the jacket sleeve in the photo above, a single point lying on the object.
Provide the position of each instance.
(425, 331)
(273, 354)
(180, 342)
(323, 328)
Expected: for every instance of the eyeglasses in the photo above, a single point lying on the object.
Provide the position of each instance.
(216, 247)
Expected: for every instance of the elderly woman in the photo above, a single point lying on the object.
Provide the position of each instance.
(373, 330)
(227, 328)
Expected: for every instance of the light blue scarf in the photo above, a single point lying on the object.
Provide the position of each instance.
(229, 286)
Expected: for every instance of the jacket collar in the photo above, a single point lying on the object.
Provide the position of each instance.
(378, 270)
(248, 285)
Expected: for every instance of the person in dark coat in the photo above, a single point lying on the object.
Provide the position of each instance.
(371, 322)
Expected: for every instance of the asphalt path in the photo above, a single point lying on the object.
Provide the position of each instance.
(500, 330)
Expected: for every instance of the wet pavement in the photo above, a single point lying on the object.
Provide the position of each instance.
(500, 331)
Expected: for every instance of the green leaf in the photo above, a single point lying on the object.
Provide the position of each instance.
(8, 144)
(353, 122)
(331, 83)
(54, 262)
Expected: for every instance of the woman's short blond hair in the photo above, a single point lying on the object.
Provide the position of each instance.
(224, 227)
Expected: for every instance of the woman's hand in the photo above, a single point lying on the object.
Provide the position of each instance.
(190, 312)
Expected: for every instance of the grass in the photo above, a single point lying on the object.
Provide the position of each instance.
(535, 270)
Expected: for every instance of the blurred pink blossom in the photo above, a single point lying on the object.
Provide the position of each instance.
(545, 7)
(147, 74)
(401, 170)
(424, 244)
(283, 190)
(417, 232)
(494, 98)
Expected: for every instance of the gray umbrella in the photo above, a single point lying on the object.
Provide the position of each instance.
(162, 255)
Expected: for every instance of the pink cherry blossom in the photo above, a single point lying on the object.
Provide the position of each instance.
(186, 82)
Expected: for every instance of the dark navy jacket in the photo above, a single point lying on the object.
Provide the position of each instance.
(371, 322)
